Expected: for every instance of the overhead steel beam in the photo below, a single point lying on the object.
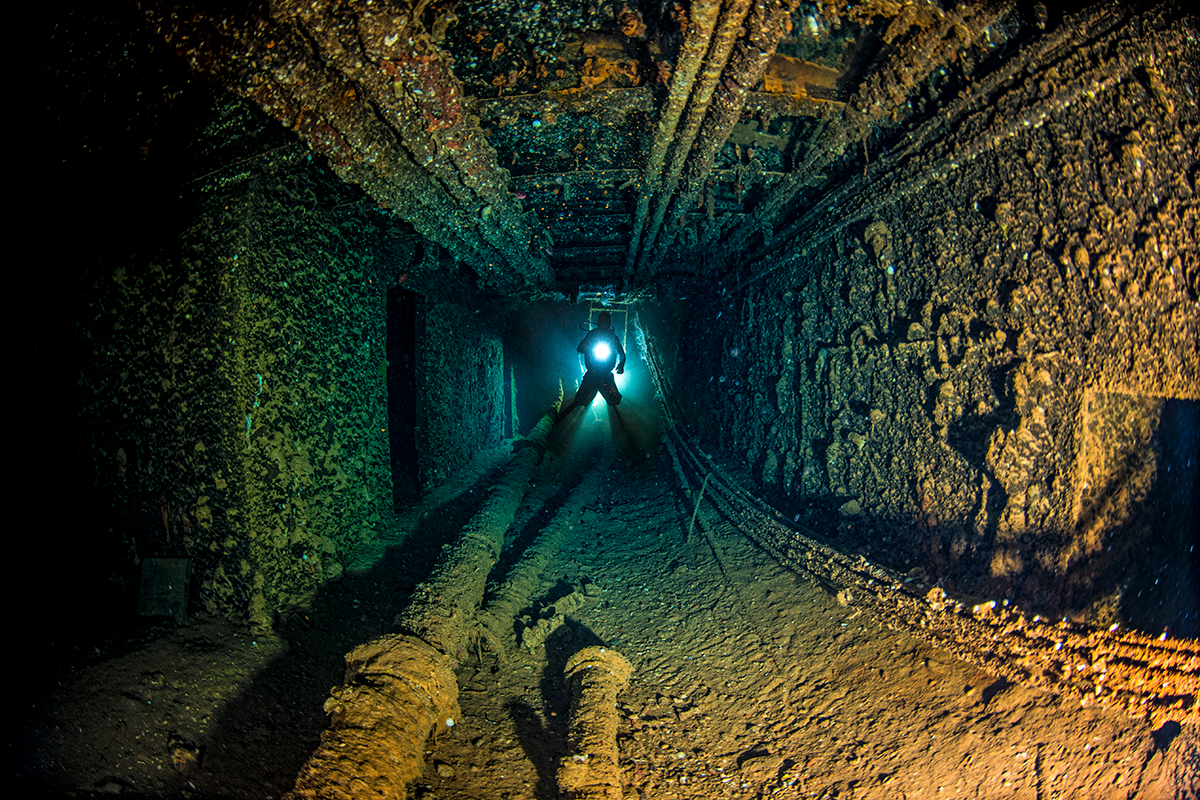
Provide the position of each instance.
(368, 87)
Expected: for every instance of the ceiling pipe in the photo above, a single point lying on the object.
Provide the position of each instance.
(927, 154)
(764, 27)
(701, 91)
(373, 92)
(701, 25)
(909, 65)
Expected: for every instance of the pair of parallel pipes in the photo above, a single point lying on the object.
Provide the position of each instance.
(400, 689)
(1153, 678)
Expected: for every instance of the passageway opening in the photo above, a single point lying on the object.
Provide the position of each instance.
(1160, 588)
(541, 345)
(404, 320)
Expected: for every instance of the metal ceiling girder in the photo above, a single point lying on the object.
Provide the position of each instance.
(703, 17)
(925, 158)
(928, 49)
(366, 85)
(272, 66)
(696, 96)
(735, 56)
(762, 30)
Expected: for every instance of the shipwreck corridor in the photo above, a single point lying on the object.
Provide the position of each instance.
(899, 499)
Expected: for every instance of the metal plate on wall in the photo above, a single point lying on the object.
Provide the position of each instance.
(165, 584)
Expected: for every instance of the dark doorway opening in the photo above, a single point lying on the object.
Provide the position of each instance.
(1162, 591)
(405, 318)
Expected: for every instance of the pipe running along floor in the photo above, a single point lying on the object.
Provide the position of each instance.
(748, 680)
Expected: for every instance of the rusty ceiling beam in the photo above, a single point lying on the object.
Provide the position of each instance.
(367, 86)
(1077, 56)
(761, 31)
(692, 100)
(701, 27)
(932, 44)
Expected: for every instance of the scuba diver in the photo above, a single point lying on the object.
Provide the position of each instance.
(601, 351)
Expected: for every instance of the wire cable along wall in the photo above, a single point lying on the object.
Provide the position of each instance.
(1150, 677)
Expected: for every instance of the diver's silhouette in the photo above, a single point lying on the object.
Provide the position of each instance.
(601, 350)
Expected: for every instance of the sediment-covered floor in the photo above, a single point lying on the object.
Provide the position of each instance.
(748, 680)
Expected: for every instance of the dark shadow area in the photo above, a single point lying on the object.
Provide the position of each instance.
(1163, 583)
(1164, 735)
(542, 725)
(543, 742)
(969, 434)
(992, 689)
(412, 561)
(405, 320)
(750, 755)
(87, 590)
(124, 124)
(265, 732)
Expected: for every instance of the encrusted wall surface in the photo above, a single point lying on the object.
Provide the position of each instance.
(968, 376)
(311, 371)
(460, 407)
(235, 390)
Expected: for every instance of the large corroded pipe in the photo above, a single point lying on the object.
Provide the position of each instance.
(529, 575)
(397, 689)
(401, 688)
(590, 771)
(444, 608)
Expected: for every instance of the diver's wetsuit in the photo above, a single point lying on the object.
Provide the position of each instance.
(599, 375)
